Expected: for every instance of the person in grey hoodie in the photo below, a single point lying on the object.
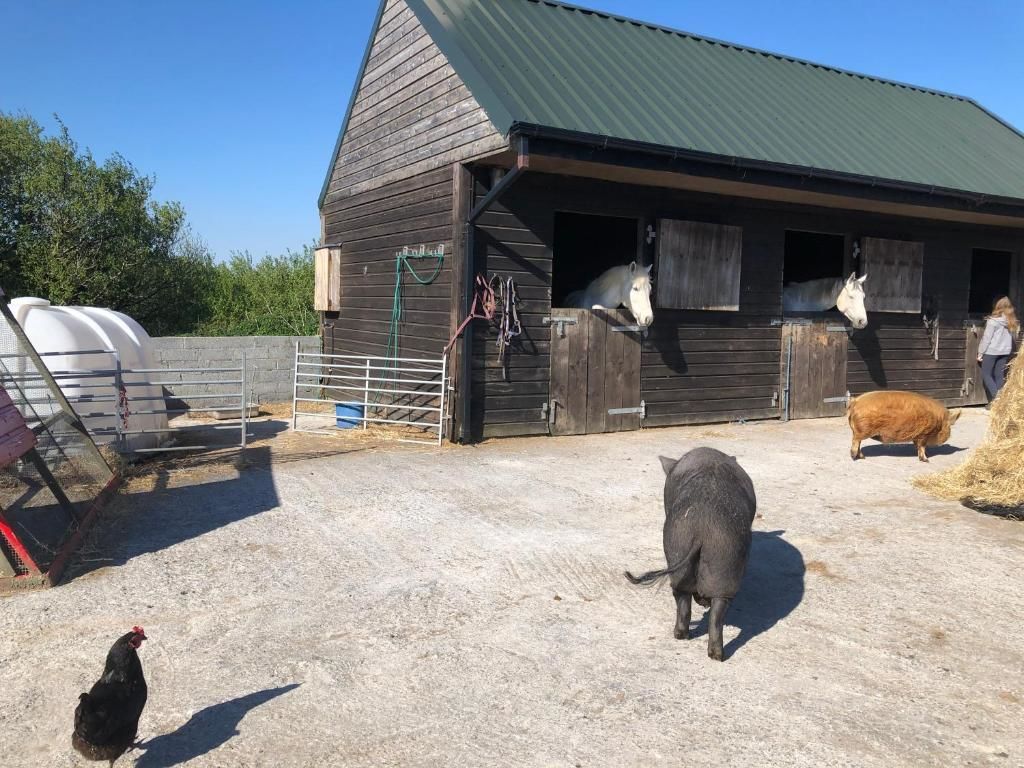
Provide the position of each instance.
(1001, 329)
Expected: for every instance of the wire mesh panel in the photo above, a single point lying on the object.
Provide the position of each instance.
(49, 493)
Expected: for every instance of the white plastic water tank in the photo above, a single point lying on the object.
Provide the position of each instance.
(69, 330)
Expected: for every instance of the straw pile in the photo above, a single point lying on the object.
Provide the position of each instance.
(992, 477)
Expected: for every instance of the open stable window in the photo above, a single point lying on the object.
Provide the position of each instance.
(894, 269)
(990, 279)
(812, 256)
(698, 265)
(585, 246)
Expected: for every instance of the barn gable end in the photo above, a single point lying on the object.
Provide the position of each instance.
(410, 114)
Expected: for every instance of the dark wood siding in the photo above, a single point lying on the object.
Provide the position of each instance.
(411, 114)
(701, 367)
(696, 366)
(513, 240)
(898, 353)
(371, 227)
(717, 366)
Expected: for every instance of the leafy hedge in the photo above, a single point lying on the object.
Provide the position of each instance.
(78, 232)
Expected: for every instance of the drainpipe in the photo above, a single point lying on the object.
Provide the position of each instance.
(522, 163)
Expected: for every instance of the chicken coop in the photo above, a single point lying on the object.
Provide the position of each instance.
(541, 143)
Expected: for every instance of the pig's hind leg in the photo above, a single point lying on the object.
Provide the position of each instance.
(921, 455)
(682, 628)
(716, 620)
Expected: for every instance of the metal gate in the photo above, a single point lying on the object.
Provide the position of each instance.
(101, 393)
(814, 369)
(595, 372)
(348, 390)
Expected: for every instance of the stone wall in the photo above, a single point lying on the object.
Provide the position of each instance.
(269, 362)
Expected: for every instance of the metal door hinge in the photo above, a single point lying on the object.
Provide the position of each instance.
(551, 412)
(561, 322)
(775, 398)
(640, 409)
(627, 328)
(836, 329)
(842, 399)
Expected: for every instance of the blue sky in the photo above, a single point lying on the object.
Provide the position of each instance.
(234, 107)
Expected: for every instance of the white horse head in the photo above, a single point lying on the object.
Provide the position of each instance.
(851, 300)
(638, 297)
(627, 286)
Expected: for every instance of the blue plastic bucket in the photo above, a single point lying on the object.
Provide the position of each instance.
(348, 414)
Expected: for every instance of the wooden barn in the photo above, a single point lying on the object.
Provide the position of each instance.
(539, 141)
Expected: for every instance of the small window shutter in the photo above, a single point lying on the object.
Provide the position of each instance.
(327, 278)
(698, 265)
(894, 269)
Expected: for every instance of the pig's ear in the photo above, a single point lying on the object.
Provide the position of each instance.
(667, 464)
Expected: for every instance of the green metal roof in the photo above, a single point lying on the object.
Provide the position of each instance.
(554, 65)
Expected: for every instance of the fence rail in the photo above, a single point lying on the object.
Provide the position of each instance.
(120, 388)
(373, 390)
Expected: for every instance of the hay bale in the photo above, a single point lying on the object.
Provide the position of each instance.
(992, 476)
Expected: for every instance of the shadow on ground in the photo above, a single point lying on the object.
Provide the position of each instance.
(908, 449)
(152, 520)
(206, 730)
(773, 587)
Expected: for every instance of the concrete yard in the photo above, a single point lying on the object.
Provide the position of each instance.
(345, 603)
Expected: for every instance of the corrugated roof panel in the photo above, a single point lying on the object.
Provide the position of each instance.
(550, 64)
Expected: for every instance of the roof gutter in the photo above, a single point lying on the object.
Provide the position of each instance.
(713, 161)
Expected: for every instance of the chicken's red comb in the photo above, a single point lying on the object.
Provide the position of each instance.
(139, 631)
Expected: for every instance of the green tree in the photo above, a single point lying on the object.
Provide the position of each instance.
(78, 232)
(271, 296)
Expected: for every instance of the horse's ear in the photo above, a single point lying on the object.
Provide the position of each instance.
(649, 268)
(632, 267)
(852, 277)
(862, 278)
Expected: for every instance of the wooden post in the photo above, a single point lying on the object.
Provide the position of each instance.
(1017, 281)
(462, 199)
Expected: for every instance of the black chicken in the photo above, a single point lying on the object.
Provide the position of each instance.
(107, 717)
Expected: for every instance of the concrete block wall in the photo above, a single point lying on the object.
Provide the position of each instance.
(269, 362)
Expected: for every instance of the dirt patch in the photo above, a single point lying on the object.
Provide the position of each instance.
(818, 568)
(337, 603)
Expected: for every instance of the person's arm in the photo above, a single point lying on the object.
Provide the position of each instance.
(986, 338)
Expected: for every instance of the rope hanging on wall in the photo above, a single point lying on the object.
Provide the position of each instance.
(497, 301)
(403, 263)
(508, 325)
(930, 318)
(482, 308)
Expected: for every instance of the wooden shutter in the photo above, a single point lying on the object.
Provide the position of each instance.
(698, 265)
(894, 269)
(327, 279)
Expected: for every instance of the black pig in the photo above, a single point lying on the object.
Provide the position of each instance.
(709, 508)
